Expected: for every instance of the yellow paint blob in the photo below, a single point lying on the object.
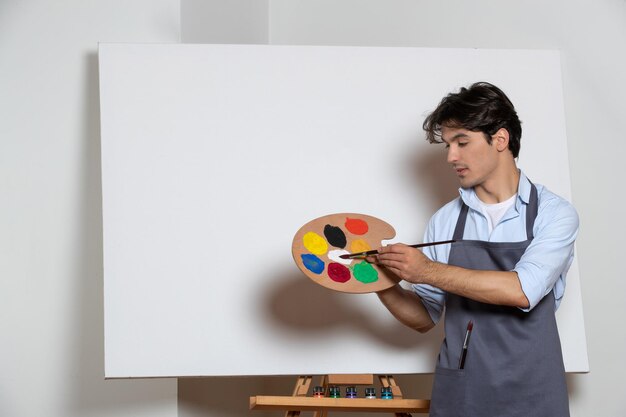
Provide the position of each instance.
(359, 245)
(315, 243)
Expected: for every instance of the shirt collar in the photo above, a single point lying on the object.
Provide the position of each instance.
(469, 197)
(524, 188)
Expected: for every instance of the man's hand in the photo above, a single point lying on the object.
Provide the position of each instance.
(407, 263)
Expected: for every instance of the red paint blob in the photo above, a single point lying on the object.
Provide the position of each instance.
(338, 272)
(356, 226)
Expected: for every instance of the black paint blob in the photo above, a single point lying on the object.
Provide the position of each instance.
(335, 236)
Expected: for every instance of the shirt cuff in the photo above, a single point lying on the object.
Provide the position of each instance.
(533, 292)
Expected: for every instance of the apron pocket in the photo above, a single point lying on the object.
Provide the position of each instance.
(448, 395)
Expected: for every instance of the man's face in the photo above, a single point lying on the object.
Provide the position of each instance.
(473, 159)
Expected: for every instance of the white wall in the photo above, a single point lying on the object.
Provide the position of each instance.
(591, 36)
(51, 320)
(220, 21)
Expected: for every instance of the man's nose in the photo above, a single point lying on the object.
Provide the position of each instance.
(452, 155)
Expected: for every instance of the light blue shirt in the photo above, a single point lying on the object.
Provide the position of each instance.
(545, 263)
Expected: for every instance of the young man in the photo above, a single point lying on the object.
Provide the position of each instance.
(505, 273)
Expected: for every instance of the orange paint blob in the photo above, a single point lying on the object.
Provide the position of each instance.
(359, 245)
(356, 226)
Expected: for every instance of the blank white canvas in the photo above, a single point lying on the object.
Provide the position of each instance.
(213, 156)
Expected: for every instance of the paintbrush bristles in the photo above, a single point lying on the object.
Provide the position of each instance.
(358, 255)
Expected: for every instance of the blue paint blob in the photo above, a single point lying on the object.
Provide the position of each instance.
(313, 263)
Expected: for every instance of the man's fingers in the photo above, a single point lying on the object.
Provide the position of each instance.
(392, 264)
(373, 259)
(392, 256)
(394, 248)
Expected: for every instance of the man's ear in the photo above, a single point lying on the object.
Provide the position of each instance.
(501, 139)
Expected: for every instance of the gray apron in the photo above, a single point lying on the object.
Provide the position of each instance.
(514, 365)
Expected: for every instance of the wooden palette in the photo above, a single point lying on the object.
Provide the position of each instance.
(317, 245)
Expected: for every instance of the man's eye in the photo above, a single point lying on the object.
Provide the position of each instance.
(462, 144)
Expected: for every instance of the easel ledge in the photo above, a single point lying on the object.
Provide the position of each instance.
(266, 402)
(299, 401)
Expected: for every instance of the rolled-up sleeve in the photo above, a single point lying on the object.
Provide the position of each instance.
(433, 299)
(547, 259)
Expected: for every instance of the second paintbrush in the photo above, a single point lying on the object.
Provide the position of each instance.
(375, 252)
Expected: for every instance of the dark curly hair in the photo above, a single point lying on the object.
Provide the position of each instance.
(482, 107)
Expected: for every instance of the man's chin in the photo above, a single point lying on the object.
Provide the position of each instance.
(466, 183)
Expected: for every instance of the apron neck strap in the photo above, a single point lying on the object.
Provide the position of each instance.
(531, 211)
(460, 223)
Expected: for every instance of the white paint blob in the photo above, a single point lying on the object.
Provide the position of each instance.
(334, 255)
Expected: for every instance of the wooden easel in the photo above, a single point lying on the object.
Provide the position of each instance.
(299, 401)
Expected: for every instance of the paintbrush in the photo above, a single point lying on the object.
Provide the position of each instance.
(374, 252)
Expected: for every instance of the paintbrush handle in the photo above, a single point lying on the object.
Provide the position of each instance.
(374, 252)
(423, 245)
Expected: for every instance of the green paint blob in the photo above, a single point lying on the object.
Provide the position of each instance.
(365, 272)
